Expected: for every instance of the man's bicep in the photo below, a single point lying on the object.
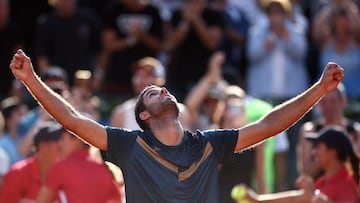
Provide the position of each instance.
(250, 135)
(92, 132)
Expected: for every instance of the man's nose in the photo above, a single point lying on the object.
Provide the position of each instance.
(164, 90)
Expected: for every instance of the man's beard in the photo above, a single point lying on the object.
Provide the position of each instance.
(169, 105)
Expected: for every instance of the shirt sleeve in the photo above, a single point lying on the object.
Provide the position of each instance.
(223, 142)
(120, 143)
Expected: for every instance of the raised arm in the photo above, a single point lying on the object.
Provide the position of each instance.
(59, 108)
(285, 115)
(201, 89)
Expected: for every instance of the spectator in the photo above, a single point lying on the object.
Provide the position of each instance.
(333, 149)
(166, 162)
(4, 158)
(19, 11)
(342, 46)
(12, 110)
(279, 43)
(69, 37)
(23, 181)
(247, 166)
(11, 38)
(208, 93)
(195, 34)
(276, 54)
(322, 27)
(83, 95)
(80, 177)
(133, 30)
(203, 98)
(146, 71)
(57, 79)
(251, 8)
(331, 113)
(234, 38)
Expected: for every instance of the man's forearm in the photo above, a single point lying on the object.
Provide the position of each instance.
(286, 114)
(57, 106)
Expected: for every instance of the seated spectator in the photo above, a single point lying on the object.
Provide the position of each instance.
(23, 181)
(80, 177)
(333, 151)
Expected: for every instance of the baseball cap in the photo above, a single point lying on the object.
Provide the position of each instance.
(48, 131)
(152, 65)
(333, 137)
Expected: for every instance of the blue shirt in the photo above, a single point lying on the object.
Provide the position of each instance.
(350, 61)
(10, 145)
(154, 172)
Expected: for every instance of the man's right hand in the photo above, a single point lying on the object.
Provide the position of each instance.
(21, 66)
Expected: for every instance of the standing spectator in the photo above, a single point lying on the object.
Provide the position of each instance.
(23, 181)
(11, 38)
(276, 54)
(195, 34)
(79, 176)
(12, 110)
(133, 30)
(27, 13)
(234, 38)
(342, 46)
(251, 8)
(69, 37)
(322, 27)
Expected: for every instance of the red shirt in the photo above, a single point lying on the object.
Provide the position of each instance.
(21, 182)
(340, 187)
(82, 180)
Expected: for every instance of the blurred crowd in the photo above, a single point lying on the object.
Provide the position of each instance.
(228, 62)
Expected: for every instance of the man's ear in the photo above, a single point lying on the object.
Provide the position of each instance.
(144, 115)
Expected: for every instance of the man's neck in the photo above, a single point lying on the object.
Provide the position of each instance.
(168, 131)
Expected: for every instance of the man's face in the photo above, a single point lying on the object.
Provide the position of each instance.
(158, 100)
